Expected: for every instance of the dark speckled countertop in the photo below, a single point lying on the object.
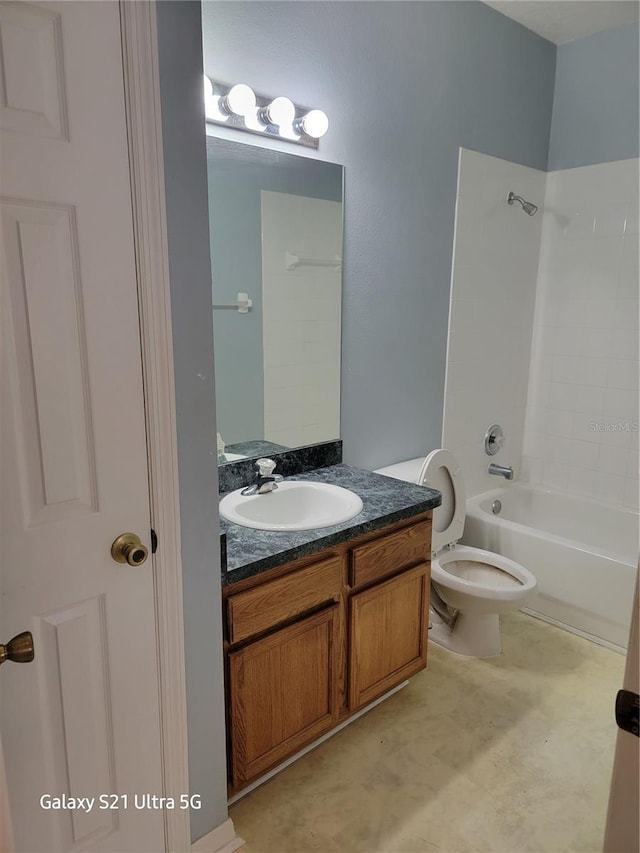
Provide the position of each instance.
(385, 501)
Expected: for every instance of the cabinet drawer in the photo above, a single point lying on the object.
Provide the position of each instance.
(274, 602)
(390, 553)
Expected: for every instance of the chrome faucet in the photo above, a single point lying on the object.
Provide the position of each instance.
(266, 480)
(501, 471)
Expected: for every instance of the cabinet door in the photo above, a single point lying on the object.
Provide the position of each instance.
(388, 633)
(284, 693)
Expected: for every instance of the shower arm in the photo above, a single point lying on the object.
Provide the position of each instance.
(528, 207)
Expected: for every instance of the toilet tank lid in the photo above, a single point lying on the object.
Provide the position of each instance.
(409, 470)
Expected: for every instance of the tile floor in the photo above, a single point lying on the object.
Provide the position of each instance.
(505, 755)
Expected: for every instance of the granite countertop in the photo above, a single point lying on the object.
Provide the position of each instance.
(385, 501)
(256, 448)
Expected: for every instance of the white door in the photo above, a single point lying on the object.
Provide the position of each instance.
(82, 720)
(623, 820)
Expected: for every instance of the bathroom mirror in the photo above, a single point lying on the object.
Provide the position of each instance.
(276, 225)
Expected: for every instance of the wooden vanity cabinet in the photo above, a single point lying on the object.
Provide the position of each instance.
(315, 641)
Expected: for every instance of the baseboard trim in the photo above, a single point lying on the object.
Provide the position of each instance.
(599, 641)
(313, 745)
(222, 839)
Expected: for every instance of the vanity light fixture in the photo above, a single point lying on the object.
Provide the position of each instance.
(281, 112)
(240, 108)
(314, 123)
(240, 100)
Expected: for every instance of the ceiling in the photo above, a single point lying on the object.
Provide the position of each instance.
(564, 20)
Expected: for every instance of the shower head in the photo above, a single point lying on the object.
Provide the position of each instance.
(527, 206)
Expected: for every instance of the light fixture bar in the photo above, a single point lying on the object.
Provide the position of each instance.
(278, 117)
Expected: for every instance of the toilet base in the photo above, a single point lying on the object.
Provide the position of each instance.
(473, 634)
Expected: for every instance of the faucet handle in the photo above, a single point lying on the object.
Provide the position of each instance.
(265, 467)
(493, 440)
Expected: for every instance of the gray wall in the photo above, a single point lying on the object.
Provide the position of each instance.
(236, 265)
(179, 37)
(404, 85)
(595, 107)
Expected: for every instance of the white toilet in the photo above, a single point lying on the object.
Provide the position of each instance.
(478, 584)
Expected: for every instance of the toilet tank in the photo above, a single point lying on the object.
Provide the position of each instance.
(408, 470)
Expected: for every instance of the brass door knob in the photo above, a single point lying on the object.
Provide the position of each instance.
(129, 549)
(19, 649)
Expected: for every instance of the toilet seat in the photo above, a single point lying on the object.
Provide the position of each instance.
(518, 581)
(441, 471)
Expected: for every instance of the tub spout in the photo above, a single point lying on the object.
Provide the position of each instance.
(501, 471)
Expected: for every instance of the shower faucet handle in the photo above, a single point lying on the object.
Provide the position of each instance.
(494, 440)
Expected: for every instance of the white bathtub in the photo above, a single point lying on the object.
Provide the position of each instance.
(583, 553)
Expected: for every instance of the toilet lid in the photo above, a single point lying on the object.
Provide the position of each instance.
(441, 471)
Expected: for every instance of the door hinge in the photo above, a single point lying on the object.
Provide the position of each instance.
(627, 707)
(154, 541)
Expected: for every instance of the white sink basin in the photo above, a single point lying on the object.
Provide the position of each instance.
(294, 505)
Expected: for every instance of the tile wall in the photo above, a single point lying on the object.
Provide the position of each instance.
(581, 429)
(301, 310)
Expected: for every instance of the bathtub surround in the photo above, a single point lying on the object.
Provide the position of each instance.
(581, 431)
(582, 416)
(493, 285)
(566, 390)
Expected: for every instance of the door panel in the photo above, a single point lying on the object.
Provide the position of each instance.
(32, 73)
(83, 718)
(73, 650)
(49, 371)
